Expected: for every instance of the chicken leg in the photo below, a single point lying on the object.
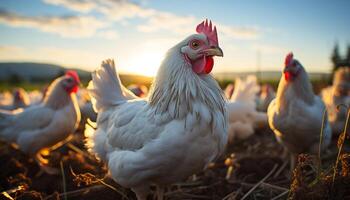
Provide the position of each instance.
(43, 163)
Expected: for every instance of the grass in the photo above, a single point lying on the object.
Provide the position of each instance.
(341, 142)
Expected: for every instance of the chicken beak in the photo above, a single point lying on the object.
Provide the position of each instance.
(213, 51)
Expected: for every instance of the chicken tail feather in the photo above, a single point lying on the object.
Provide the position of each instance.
(106, 89)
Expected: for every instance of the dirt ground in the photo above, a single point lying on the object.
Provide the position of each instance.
(255, 169)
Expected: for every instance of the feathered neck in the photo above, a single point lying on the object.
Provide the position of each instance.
(56, 97)
(177, 90)
(300, 88)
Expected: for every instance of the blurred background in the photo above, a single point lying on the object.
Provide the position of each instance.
(40, 38)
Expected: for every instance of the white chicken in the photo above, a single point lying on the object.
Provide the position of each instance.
(229, 90)
(20, 100)
(35, 96)
(138, 90)
(5, 98)
(176, 132)
(40, 127)
(267, 94)
(296, 114)
(337, 94)
(86, 109)
(244, 119)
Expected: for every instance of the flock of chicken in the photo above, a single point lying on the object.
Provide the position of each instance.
(183, 124)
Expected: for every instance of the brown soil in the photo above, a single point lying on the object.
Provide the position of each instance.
(251, 161)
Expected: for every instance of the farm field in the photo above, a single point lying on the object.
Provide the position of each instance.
(257, 170)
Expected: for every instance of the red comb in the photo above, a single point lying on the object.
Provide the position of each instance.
(73, 74)
(207, 30)
(288, 59)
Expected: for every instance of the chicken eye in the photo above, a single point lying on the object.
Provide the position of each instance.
(194, 44)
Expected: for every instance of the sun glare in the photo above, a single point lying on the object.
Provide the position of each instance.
(146, 63)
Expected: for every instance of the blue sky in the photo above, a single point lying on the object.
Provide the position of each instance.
(80, 33)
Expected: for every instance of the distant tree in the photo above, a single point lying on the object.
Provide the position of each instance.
(15, 79)
(335, 57)
(348, 56)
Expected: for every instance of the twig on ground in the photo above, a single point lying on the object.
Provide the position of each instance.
(280, 195)
(266, 185)
(233, 194)
(280, 169)
(76, 192)
(76, 149)
(259, 183)
(63, 181)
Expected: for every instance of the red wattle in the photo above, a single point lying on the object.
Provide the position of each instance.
(203, 65)
(287, 76)
(72, 90)
(208, 64)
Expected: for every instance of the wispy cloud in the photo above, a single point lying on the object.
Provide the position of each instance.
(114, 9)
(269, 48)
(108, 34)
(76, 5)
(154, 20)
(168, 22)
(65, 26)
(72, 57)
(244, 33)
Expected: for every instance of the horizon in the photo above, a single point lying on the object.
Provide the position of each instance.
(151, 76)
(80, 34)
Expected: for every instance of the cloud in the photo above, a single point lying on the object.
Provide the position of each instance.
(87, 59)
(65, 26)
(154, 20)
(8, 48)
(244, 33)
(114, 9)
(76, 5)
(168, 22)
(269, 49)
(108, 34)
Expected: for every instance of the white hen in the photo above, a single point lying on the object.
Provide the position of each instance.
(20, 100)
(244, 119)
(335, 95)
(39, 127)
(172, 135)
(296, 114)
(267, 94)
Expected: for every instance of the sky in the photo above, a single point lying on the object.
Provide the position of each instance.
(137, 34)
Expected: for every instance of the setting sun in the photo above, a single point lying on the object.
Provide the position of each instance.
(146, 63)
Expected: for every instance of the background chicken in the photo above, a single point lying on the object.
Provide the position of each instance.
(35, 96)
(337, 94)
(183, 122)
(267, 94)
(41, 127)
(243, 116)
(138, 90)
(86, 109)
(296, 114)
(20, 100)
(229, 90)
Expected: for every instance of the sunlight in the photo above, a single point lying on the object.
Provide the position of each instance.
(146, 63)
